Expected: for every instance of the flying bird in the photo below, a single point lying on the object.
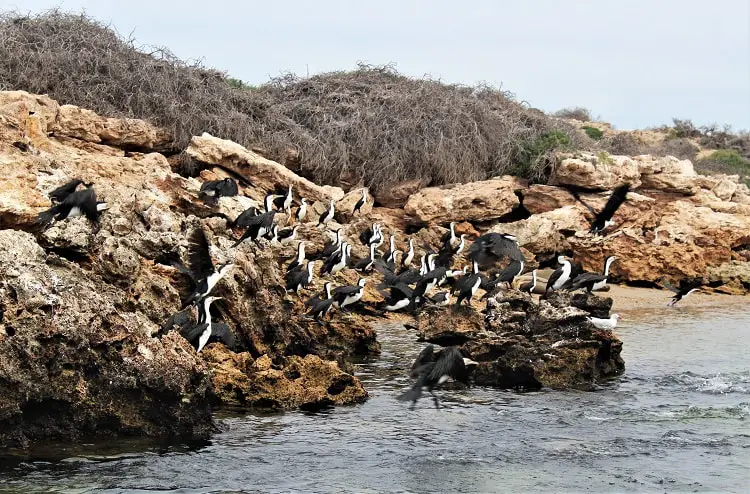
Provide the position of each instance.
(201, 268)
(79, 203)
(491, 247)
(603, 218)
(684, 288)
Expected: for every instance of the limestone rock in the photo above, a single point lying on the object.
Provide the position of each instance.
(86, 125)
(546, 232)
(260, 171)
(396, 195)
(543, 198)
(345, 206)
(598, 172)
(464, 202)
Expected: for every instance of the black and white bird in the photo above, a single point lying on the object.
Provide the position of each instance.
(268, 202)
(243, 220)
(59, 194)
(345, 296)
(448, 251)
(273, 235)
(321, 308)
(560, 276)
(684, 288)
(449, 238)
(603, 218)
(287, 235)
(491, 247)
(391, 247)
(200, 333)
(610, 323)
(409, 257)
(361, 202)
(332, 246)
(325, 295)
(592, 281)
(338, 260)
(301, 213)
(529, 286)
(79, 203)
(506, 277)
(327, 215)
(366, 264)
(428, 282)
(204, 321)
(214, 189)
(441, 299)
(258, 227)
(431, 369)
(297, 279)
(201, 268)
(367, 235)
(399, 298)
(469, 286)
(284, 201)
(297, 261)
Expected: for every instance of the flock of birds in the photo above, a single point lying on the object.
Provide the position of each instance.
(405, 286)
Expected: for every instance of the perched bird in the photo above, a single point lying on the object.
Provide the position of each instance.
(610, 323)
(449, 238)
(258, 227)
(338, 260)
(268, 202)
(529, 286)
(214, 189)
(321, 308)
(299, 216)
(201, 268)
(369, 235)
(297, 262)
(409, 257)
(399, 298)
(441, 299)
(284, 201)
(327, 215)
(506, 276)
(684, 288)
(345, 296)
(448, 251)
(79, 203)
(361, 202)
(429, 281)
(287, 235)
(366, 263)
(331, 247)
(296, 279)
(391, 247)
(490, 247)
(560, 276)
(324, 296)
(433, 369)
(469, 286)
(243, 220)
(59, 194)
(591, 281)
(603, 218)
(205, 330)
(273, 235)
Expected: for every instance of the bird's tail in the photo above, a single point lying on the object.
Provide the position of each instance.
(412, 394)
(45, 218)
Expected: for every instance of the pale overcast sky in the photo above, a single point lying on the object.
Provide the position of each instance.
(636, 63)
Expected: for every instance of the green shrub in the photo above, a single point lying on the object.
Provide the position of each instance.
(726, 161)
(593, 132)
(538, 154)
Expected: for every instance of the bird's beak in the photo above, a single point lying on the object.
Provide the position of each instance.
(468, 361)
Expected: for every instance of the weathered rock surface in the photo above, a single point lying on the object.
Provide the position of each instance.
(396, 195)
(522, 344)
(260, 171)
(591, 171)
(80, 349)
(345, 206)
(464, 202)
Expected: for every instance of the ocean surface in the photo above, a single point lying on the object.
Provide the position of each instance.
(678, 420)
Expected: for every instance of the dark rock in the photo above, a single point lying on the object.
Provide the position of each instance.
(594, 305)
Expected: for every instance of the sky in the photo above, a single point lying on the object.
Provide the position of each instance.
(634, 63)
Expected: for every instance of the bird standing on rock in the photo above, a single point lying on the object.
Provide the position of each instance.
(560, 276)
(299, 216)
(361, 202)
(214, 189)
(491, 247)
(258, 227)
(327, 215)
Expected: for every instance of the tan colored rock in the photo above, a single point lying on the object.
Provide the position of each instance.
(464, 202)
(40, 107)
(542, 198)
(396, 195)
(726, 188)
(591, 171)
(669, 174)
(262, 172)
(345, 206)
(546, 233)
(88, 126)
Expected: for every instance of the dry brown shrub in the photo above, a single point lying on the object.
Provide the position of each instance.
(372, 122)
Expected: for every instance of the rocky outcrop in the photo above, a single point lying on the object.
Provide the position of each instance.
(261, 172)
(521, 344)
(80, 348)
(396, 195)
(475, 201)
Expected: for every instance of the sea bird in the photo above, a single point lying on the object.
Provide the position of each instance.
(361, 202)
(529, 286)
(592, 281)
(610, 323)
(345, 296)
(212, 190)
(560, 276)
(201, 268)
(603, 218)
(327, 215)
(79, 203)
(684, 288)
(491, 247)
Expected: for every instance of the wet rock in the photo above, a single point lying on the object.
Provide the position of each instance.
(301, 382)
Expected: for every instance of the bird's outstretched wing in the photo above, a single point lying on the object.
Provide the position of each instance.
(669, 286)
(199, 257)
(86, 202)
(425, 356)
(614, 202)
(449, 363)
(578, 198)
